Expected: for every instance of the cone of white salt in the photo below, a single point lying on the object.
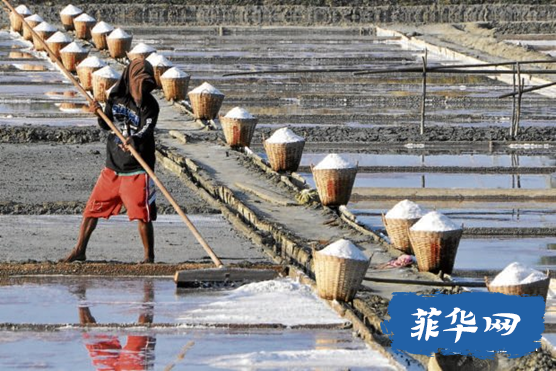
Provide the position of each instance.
(435, 240)
(398, 220)
(43, 32)
(68, 14)
(205, 101)
(284, 150)
(518, 279)
(119, 43)
(103, 80)
(15, 21)
(174, 84)
(238, 126)
(160, 65)
(83, 25)
(85, 71)
(57, 42)
(334, 178)
(72, 55)
(99, 33)
(339, 270)
(140, 50)
(33, 21)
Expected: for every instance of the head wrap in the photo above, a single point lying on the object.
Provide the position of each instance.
(136, 80)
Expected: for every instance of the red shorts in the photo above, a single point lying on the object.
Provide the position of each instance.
(136, 192)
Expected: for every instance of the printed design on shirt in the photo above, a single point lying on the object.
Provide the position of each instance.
(125, 119)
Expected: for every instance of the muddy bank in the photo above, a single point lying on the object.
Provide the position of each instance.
(36, 134)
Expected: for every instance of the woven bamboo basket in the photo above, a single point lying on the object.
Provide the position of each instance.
(132, 56)
(118, 48)
(238, 132)
(539, 288)
(435, 251)
(334, 185)
(101, 85)
(44, 35)
(85, 75)
(16, 22)
(205, 105)
(67, 21)
(99, 39)
(158, 71)
(27, 35)
(175, 88)
(83, 29)
(284, 156)
(72, 59)
(57, 46)
(398, 232)
(338, 278)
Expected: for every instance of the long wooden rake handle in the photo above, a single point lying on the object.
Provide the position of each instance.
(133, 151)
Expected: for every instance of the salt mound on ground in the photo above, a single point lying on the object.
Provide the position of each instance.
(45, 26)
(118, 33)
(59, 37)
(405, 210)
(435, 222)
(142, 48)
(84, 18)
(107, 72)
(517, 274)
(23, 10)
(206, 88)
(334, 161)
(71, 10)
(34, 18)
(159, 60)
(93, 62)
(285, 135)
(239, 113)
(102, 27)
(344, 249)
(174, 73)
(73, 48)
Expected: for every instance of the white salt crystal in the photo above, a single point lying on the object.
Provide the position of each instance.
(206, 88)
(71, 10)
(174, 73)
(344, 249)
(516, 274)
(107, 72)
(143, 48)
(23, 10)
(102, 27)
(118, 33)
(435, 222)
(285, 135)
(59, 37)
(73, 48)
(45, 26)
(84, 18)
(93, 62)
(239, 113)
(34, 18)
(159, 60)
(405, 210)
(334, 161)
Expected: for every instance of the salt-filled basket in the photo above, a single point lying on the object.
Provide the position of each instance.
(205, 101)
(119, 43)
(174, 84)
(83, 25)
(68, 14)
(43, 31)
(160, 65)
(33, 21)
(334, 178)
(72, 55)
(238, 126)
(15, 21)
(57, 42)
(397, 222)
(103, 80)
(339, 270)
(99, 33)
(85, 71)
(435, 240)
(140, 50)
(284, 149)
(518, 279)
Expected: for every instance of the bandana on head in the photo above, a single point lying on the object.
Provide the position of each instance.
(137, 79)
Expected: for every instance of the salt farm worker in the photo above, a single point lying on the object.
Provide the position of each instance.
(133, 109)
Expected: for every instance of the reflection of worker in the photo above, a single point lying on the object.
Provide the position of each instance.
(107, 353)
(133, 109)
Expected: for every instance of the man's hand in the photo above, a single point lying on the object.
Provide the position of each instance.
(93, 107)
(128, 143)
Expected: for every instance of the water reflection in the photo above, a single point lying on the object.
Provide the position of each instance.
(30, 67)
(106, 351)
(20, 55)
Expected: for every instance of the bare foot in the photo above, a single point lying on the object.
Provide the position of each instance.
(74, 256)
(147, 261)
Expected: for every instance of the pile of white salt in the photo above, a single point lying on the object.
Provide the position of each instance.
(517, 274)
(142, 48)
(159, 60)
(84, 18)
(118, 33)
(45, 26)
(334, 161)
(405, 210)
(239, 113)
(285, 135)
(344, 249)
(174, 73)
(435, 222)
(92, 62)
(73, 48)
(206, 88)
(71, 10)
(23, 10)
(59, 37)
(102, 27)
(107, 72)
